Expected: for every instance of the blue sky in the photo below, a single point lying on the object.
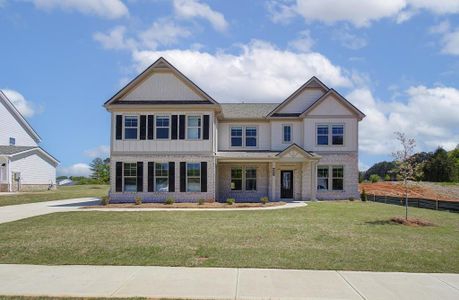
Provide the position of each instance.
(397, 60)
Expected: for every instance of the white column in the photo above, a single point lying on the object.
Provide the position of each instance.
(313, 180)
(305, 185)
(272, 175)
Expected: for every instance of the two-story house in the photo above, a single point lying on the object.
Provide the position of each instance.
(169, 138)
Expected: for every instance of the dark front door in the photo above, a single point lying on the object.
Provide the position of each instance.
(286, 184)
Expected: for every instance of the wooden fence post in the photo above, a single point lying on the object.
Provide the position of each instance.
(374, 197)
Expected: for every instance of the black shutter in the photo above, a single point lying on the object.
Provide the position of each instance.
(171, 176)
(203, 176)
(205, 134)
(151, 176)
(182, 127)
(139, 176)
(119, 177)
(151, 126)
(143, 127)
(174, 127)
(119, 127)
(182, 176)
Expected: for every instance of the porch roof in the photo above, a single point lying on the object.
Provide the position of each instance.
(292, 153)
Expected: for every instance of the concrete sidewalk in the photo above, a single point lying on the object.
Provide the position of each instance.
(220, 283)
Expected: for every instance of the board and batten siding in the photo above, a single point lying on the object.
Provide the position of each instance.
(263, 135)
(350, 134)
(11, 127)
(34, 169)
(277, 143)
(302, 101)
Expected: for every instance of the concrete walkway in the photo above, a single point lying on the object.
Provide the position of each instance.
(21, 211)
(219, 283)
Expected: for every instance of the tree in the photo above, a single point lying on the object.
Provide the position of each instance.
(406, 166)
(454, 156)
(440, 168)
(381, 169)
(100, 170)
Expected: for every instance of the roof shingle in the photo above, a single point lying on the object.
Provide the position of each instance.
(246, 110)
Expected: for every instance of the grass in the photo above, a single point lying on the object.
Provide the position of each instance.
(63, 298)
(326, 235)
(65, 192)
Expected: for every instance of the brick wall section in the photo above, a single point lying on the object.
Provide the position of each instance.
(162, 196)
(351, 175)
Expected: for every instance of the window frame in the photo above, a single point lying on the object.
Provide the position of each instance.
(284, 141)
(238, 179)
(12, 141)
(158, 127)
(129, 176)
(193, 177)
(327, 179)
(317, 134)
(338, 178)
(330, 134)
(161, 176)
(245, 136)
(136, 127)
(246, 179)
(331, 177)
(241, 137)
(188, 127)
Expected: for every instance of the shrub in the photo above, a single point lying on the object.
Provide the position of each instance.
(351, 199)
(387, 177)
(201, 201)
(230, 201)
(363, 196)
(170, 200)
(375, 178)
(138, 200)
(264, 200)
(104, 200)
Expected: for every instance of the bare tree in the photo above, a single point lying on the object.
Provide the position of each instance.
(407, 167)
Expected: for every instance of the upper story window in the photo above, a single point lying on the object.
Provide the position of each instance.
(286, 133)
(161, 177)
(336, 137)
(162, 127)
(130, 127)
(130, 177)
(193, 177)
(251, 136)
(337, 134)
(194, 127)
(12, 141)
(322, 135)
(236, 136)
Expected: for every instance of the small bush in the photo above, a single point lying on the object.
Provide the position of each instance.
(351, 199)
(170, 200)
(363, 196)
(387, 177)
(230, 201)
(374, 178)
(264, 200)
(201, 201)
(138, 200)
(104, 200)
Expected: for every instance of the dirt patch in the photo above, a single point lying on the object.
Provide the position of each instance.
(188, 205)
(411, 222)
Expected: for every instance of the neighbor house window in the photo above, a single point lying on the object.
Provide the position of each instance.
(12, 141)
(193, 177)
(130, 177)
(130, 127)
(251, 179)
(251, 136)
(162, 127)
(236, 136)
(194, 127)
(236, 179)
(322, 135)
(322, 178)
(337, 178)
(161, 177)
(337, 134)
(286, 133)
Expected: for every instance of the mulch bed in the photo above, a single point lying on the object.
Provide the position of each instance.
(187, 205)
(411, 222)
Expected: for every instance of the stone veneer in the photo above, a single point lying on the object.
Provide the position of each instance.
(27, 187)
(162, 196)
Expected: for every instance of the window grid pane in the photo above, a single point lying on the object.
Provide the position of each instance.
(337, 135)
(236, 179)
(194, 127)
(322, 178)
(251, 179)
(236, 136)
(130, 177)
(193, 172)
(322, 135)
(130, 127)
(250, 136)
(287, 133)
(162, 127)
(337, 178)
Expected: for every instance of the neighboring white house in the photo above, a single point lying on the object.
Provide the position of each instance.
(171, 139)
(24, 166)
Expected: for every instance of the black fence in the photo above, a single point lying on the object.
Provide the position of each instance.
(451, 206)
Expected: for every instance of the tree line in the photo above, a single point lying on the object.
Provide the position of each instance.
(100, 173)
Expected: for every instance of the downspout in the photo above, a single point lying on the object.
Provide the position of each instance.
(8, 175)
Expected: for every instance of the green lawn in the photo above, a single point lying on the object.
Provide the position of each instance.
(65, 192)
(325, 235)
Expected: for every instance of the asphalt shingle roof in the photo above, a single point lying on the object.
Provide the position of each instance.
(246, 110)
(8, 150)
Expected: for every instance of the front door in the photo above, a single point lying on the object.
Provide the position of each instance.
(287, 184)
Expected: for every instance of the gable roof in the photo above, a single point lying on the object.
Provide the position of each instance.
(12, 151)
(340, 98)
(246, 110)
(313, 82)
(300, 149)
(19, 117)
(161, 64)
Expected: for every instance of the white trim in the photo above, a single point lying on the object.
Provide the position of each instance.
(330, 134)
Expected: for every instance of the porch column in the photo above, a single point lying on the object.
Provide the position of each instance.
(313, 180)
(272, 181)
(305, 180)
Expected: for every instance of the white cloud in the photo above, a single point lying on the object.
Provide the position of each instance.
(281, 11)
(110, 9)
(442, 27)
(428, 114)
(349, 39)
(115, 39)
(189, 9)
(260, 72)
(101, 151)
(450, 43)
(25, 107)
(304, 43)
(79, 169)
(436, 6)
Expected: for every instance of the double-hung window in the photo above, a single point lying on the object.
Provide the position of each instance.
(286, 133)
(130, 177)
(251, 136)
(250, 179)
(193, 177)
(161, 177)
(130, 127)
(236, 179)
(236, 136)
(322, 135)
(194, 127)
(337, 135)
(337, 178)
(162, 127)
(322, 178)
